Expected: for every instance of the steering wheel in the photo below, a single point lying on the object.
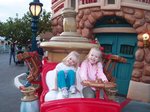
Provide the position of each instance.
(98, 84)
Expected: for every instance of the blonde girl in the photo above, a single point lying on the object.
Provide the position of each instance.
(66, 73)
(91, 69)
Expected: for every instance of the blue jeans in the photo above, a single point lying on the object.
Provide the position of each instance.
(66, 79)
(12, 54)
(88, 92)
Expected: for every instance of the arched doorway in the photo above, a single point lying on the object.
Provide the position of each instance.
(118, 42)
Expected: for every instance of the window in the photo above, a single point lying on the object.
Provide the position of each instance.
(110, 4)
(73, 3)
(127, 49)
(111, 1)
(107, 48)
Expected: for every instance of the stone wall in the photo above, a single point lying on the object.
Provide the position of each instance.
(141, 71)
(139, 19)
(57, 25)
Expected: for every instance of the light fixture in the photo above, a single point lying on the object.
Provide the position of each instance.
(35, 8)
(146, 39)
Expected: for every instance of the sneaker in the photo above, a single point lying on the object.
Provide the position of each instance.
(65, 93)
(73, 89)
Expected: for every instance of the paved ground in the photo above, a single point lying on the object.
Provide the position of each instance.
(9, 95)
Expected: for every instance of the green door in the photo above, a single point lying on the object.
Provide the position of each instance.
(124, 45)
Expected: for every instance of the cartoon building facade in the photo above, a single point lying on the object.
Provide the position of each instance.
(119, 26)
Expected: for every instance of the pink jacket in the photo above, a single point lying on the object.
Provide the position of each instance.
(90, 72)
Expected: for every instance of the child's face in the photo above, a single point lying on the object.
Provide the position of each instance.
(71, 61)
(93, 56)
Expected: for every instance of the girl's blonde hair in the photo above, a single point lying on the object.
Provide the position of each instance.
(73, 53)
(98, 50)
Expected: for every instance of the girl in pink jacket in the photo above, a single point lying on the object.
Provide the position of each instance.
(92, 69)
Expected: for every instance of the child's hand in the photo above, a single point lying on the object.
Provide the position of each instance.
(98, 81)
(109, 84)
(86, 81)
(105, 81)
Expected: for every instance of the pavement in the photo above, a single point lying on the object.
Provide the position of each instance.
(10, 96)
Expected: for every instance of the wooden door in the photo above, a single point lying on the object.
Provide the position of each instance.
(124, 45)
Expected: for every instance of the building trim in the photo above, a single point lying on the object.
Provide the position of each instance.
(114, 30)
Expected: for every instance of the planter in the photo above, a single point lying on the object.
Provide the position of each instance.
(29, 94)
(30, 102)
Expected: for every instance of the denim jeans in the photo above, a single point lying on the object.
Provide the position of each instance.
(88, 92)
(12, 54)
(66, 79)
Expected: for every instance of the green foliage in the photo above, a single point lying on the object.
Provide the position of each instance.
(44, 22)
(19, 30)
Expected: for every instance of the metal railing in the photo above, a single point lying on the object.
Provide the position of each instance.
(140, 4)
(144, 4)
(145, 1)
(97, 1)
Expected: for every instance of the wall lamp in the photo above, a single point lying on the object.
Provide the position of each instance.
(146, 39)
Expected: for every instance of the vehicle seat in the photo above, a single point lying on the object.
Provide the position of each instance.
(50, 90)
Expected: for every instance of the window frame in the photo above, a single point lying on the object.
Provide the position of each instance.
(115, 6)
